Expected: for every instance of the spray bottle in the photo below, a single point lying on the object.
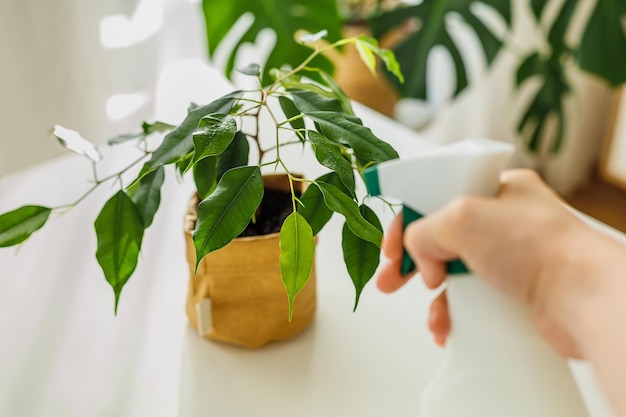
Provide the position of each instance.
(495, 364)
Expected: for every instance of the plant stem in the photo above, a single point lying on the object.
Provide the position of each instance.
(298, 117)
(294, 142)
(315, 53)
(98, 182)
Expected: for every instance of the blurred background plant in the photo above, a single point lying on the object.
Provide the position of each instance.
(416, 30)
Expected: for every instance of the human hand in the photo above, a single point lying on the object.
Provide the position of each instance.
(513, 241)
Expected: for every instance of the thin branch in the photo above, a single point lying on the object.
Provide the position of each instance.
(99, 182)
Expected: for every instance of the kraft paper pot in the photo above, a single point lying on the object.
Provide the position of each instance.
(237, 295)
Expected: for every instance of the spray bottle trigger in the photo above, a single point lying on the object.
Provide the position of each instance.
(408, 216)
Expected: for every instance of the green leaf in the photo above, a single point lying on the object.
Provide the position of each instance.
(328, 153)
(73, 141)
(336, 90)
(215, 132)
(537, 7)
(184, 164)
(313, 207)
(297, 251)
(291, 111)
(235, 155)
(208, 171)
(530, 66)
(360, 256)
(252, 69)
(490, 43)
(339, 202)
(367, 55)
(413, 52)
(602, 49)
(547, 102)
(560, 132)
(309, 101)
(205, 176)
(224, 214)
(295, 82)
(368, 49)
(284, 17)
(16, 226)
(556, 35)
(119, 229)
(365, 144)
(156, 127)
(179, 142)
(391, 63)
(146, 195)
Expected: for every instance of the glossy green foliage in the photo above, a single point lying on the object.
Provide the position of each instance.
(146, 194)
(119, 228)
(208, 171)
(360, 256)
(205, 176)
(215, 132)
(284, 17)
(313, 207)
(331, 155)
(292, 114)
(339, 202)
(345, 131)
(297, 251)
(227, 211)
(179, 142)
(327, 80)
(16, 226)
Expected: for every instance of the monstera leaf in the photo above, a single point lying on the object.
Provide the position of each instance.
(602, 48)
(600, 51)
(412, 52)
(284, 17)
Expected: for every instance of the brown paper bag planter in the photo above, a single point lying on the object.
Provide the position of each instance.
(237, 295)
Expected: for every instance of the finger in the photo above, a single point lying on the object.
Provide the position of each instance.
(439, 319)
(392, 243)
(426, 254)
(389, 278)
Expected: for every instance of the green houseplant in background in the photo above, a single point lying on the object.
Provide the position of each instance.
(601, 49)
(210, 143)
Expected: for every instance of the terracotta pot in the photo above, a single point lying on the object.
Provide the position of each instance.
(237, 295)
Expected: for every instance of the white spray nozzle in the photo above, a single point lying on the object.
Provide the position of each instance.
(428, 181)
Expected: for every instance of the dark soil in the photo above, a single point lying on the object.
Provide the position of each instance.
(274, 209)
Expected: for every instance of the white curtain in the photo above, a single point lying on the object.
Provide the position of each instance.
(89, 65)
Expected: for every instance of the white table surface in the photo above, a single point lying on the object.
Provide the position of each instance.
(63, 352)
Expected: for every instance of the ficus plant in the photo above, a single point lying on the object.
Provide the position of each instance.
(212, 145)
